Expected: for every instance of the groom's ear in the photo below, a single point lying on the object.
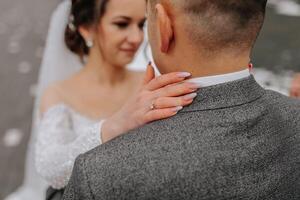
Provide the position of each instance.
(165, 29)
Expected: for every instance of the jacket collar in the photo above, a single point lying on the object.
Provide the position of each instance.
(226, 95)
(219, 79)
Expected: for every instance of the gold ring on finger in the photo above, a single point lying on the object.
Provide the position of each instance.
(152, 107)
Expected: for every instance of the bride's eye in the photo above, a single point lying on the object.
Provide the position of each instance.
(121, 25)
(142, 24)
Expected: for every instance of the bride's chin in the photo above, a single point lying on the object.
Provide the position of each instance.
(125, 60)
(123, 63)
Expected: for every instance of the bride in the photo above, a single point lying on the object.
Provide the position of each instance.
(105, 35)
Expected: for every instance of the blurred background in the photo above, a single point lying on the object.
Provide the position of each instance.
(23, 31)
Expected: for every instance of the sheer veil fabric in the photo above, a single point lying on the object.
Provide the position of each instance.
(58, 63)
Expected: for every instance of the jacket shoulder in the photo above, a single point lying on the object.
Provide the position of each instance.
(279, 100)
(78, 187)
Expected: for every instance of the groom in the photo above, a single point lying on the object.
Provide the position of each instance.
(236, 141)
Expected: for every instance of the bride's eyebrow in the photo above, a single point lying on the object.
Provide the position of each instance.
(122, 17)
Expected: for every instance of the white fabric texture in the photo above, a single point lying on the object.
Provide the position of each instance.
(63, 134)
(220, 79)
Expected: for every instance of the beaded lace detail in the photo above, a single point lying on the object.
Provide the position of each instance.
(63, 134)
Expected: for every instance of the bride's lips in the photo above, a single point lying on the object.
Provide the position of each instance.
(129, 50)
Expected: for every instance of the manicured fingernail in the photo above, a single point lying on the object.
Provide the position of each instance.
(194, 86)
(149, 63)
(190, 96)
(178, 108)
(184, 74)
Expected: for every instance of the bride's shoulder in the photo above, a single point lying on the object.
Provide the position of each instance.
(58, 92)
(52, 96)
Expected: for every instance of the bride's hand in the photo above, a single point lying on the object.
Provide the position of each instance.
(295, 86)
(159, 98)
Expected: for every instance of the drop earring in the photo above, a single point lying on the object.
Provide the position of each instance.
(89, 43)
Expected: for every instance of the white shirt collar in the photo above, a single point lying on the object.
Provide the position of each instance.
(219, 79)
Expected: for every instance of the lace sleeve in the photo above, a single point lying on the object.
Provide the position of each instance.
(58, 146)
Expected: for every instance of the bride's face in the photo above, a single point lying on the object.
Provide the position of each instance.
(120, 31)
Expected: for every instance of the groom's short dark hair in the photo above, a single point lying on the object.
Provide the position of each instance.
(220, 24)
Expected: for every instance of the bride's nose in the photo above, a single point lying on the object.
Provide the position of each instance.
(136, 36)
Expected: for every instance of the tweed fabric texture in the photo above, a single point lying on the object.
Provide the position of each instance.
(236, 141)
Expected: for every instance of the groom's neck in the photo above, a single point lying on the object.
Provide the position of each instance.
(219, 65)
(200, 66)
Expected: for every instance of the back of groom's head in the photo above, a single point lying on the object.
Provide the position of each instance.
(216, 23)
(211, 25)
(226, 22)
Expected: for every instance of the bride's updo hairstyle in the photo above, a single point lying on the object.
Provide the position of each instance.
(83, 13)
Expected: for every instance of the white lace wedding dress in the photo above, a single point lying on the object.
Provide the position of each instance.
(62, 135)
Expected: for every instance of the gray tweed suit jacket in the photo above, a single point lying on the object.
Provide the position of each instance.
(236, 141)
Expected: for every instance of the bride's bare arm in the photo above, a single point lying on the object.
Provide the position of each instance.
(159, 98)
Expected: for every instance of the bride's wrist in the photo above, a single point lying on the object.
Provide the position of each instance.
(111, 128)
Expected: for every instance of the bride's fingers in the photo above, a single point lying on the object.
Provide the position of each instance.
(167, 79)
(168, 102)
(176, 90)
(158, 114)
(149, 75)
